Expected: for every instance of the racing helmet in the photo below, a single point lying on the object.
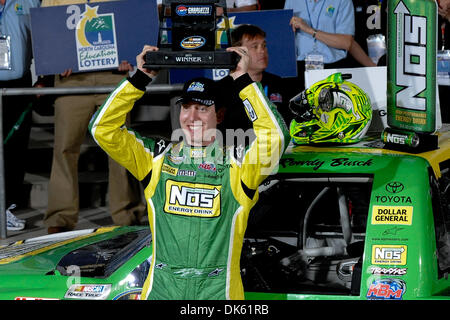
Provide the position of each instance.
(330, 111)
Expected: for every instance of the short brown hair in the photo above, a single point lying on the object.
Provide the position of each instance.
(249, 30)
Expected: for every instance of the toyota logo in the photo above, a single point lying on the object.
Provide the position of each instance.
(395, 187)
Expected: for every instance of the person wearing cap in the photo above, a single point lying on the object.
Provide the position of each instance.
(199, 192)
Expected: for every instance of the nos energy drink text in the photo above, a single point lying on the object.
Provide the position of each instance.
(411, 72)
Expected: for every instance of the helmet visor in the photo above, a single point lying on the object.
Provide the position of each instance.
(325, 99)
(300, 107)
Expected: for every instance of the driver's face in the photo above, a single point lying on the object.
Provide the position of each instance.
(198, 123)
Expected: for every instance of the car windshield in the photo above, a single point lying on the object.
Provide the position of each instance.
(102, 258)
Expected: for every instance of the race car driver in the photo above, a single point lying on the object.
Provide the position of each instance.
(198, 192)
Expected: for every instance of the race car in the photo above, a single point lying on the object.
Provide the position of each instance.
(358, 221)
(365, 216)
(347, 222)
(348, 214)
(92, 264)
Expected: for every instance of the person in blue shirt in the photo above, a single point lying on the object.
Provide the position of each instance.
(15, 62)
(324, 32)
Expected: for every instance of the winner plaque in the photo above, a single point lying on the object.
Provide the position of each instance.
(190, 28)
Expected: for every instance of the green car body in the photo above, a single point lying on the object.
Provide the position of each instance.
(353, 222)
(389, 239)
(106, 263)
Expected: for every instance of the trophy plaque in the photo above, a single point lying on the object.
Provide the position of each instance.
(190, 28)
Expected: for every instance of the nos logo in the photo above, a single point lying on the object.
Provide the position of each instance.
(189, 199)
(389, 254)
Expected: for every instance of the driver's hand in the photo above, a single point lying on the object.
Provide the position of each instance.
(140, 60)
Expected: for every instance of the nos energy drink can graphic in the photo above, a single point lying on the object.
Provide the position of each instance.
(411, 72)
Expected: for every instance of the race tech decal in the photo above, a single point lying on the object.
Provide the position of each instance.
(192, 199)
(88, 291)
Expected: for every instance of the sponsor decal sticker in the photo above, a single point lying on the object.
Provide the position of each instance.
(197, 153)
(250, 111)
(194, 10)
(392, 231)
(160, 265)
(215, 272)
(276, 97)
(168, 169)
(191, 199)
(196, 86)
(386, 289)
(88, 291)
(392, 215)
(208, 166)
(133, 294)
(161, 145)
(187, 173)
(389, 254)
(193, 42)
(175, 159)
(388, 271)
(181, 10)
(395, 187)
(393, 199)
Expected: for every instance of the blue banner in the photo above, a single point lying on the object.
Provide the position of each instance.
(280, 43)
(92, 36)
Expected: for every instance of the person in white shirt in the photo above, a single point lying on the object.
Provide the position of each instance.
(242, 5)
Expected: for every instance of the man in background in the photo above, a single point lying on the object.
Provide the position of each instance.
(254, 39)
(15, 62)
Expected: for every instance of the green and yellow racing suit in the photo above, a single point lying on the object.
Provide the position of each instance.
(198, 198)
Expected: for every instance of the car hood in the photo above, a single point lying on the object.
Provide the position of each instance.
(50, 254)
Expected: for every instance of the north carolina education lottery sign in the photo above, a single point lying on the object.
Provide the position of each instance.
(96, 40)
(92, 36)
